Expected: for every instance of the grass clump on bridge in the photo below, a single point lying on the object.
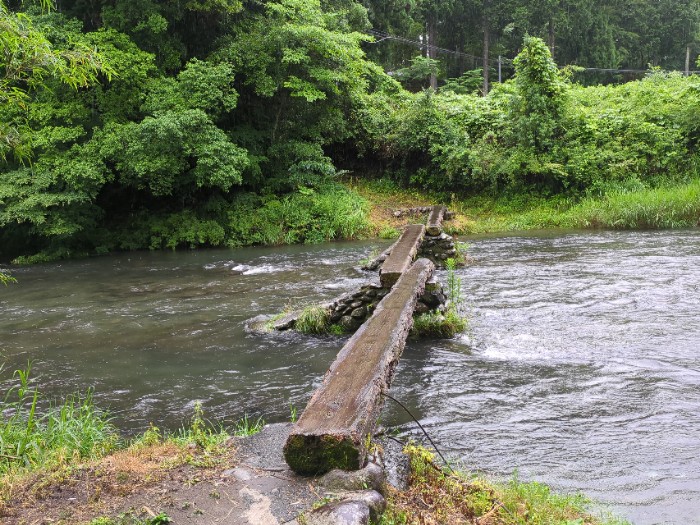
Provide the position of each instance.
(435, 495)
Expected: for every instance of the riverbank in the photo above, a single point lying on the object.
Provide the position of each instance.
(201, 479)
(360, 208)
(665, 207)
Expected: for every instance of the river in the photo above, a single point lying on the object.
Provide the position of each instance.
(581, 368)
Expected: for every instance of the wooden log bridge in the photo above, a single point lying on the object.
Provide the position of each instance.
(334, 429)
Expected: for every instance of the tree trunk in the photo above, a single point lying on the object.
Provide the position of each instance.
(687, 60)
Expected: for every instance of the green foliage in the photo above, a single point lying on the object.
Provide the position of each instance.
(455, 496)
(172, 153)
(442, 325)
(247, 427)
(540, 134)
(469, 83)
(199, 432)
(31, 438)
(6, 278)
(313, 320)
(136, 124)
(539, 102)
(129, 518)
(450, 322)
(419, 72)
(303, 72)
(29, 61)
(305, 216)
(665, 207)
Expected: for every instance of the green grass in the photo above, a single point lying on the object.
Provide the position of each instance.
(437, 496)
(450, 322)
(200, 432)
(439, 325)
(672, 206)
(313, 320)
(129, 518)
(656, 208)
(30, 440)
(247, 426)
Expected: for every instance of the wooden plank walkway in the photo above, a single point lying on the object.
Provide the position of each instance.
(402, 255)
(333, 431)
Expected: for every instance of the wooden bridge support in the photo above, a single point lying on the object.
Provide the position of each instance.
(334, 429)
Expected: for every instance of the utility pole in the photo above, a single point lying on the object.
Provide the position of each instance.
(431, 51)
(499, 69)
(687, 60)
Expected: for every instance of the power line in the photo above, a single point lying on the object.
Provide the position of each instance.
(383, 35)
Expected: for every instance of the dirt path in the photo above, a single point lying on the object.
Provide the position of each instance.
(249, 485)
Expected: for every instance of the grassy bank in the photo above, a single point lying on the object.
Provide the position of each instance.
(68, 465)
(436, 495)
(672, 206)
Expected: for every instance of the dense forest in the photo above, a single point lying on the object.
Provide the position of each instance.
(129, 124)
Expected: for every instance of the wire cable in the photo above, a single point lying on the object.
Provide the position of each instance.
(423, 429)
(383, 35)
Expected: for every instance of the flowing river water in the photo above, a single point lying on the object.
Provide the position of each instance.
(581, 368)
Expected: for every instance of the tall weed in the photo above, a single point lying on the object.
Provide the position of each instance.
(30, 439)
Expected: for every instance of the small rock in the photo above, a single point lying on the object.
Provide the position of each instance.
(340, 513)
(371, 476)
(421, 308)
(349, 324)
(240, 473)
(356, 304)
(359, 313)
(374, 500)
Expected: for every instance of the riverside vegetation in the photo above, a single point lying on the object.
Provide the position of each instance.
(140, 124)
(74, 442)
(131, 125)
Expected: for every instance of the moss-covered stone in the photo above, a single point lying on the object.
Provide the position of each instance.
(314, 455)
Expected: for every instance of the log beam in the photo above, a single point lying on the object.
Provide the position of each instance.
(333, 431)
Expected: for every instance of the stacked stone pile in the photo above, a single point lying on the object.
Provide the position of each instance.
(438, 248)
(351, 310)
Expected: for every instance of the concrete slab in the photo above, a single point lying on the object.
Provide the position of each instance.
(434, 227)
(402, 255)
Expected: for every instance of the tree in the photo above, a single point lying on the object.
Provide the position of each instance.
(28, 59)
(300, 73)
(539, 103)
